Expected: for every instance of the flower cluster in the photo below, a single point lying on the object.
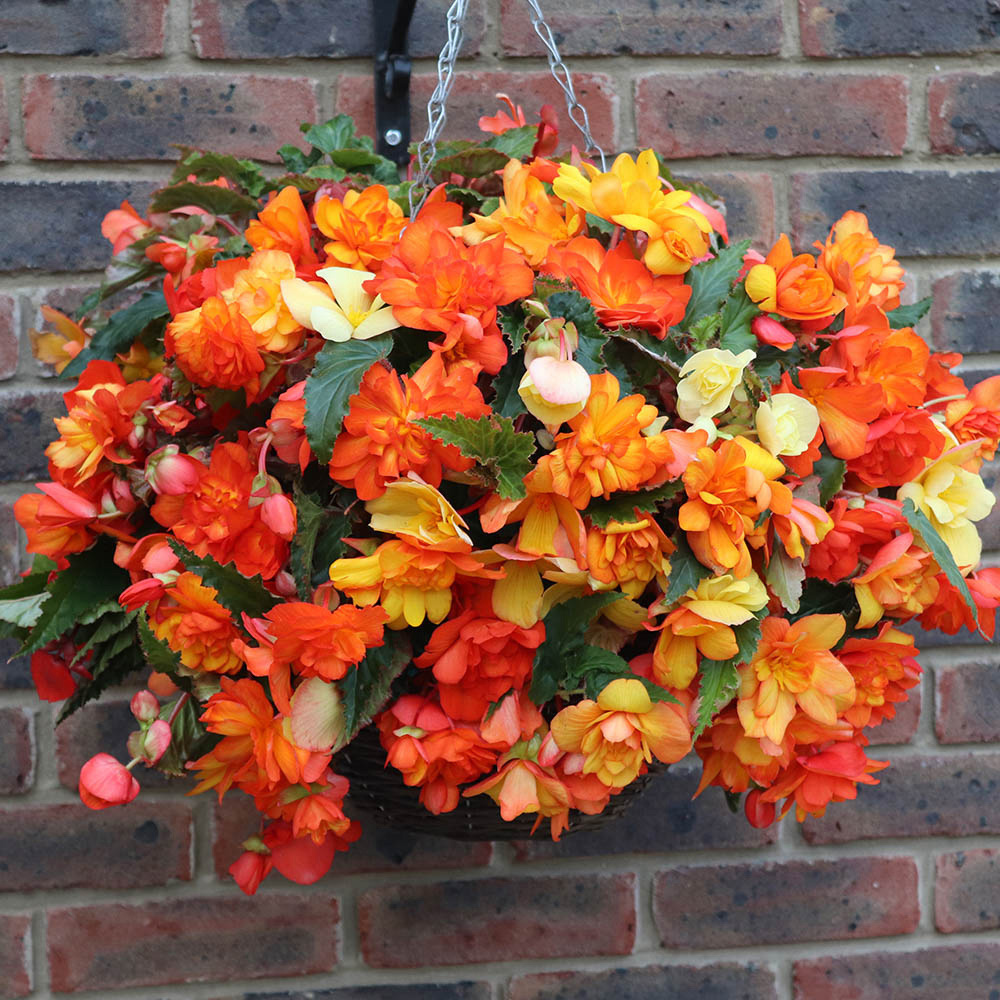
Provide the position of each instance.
(549, 484)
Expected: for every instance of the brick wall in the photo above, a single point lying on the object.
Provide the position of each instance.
(795, 112)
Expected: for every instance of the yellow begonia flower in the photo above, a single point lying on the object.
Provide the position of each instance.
(708, 381)
(952, 498)
(341, 309)
(416, 510)
(786, 423)
(554, 390)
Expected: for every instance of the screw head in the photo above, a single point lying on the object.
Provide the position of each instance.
(393, 136)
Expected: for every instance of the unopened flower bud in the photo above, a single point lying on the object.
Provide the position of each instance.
(106, 782)
(554, 391)
(278, 513)
(552, 338)
(172, 473)
(144, 706)
(150, 743)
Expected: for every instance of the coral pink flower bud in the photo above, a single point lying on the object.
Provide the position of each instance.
(250, 869)
(759, 814)
(549, 753)
(770, 331)
(144, 706)
(156, 741)
(171, 472)
(278, 513)
(106, 782)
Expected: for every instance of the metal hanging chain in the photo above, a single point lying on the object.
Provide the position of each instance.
(436, 107)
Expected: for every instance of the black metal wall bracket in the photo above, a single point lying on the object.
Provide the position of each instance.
(391, 23)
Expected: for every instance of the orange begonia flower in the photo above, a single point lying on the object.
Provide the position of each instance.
(897, 449)
(884, 669)
(257, 292)
(731, 759)
(621, 731)
(845, 410)
(283, 224)
(379, 443)
(522, 786)
(793, 666)
(122, 226)
(863, 269)
(363, 228)
(901, 582)
(628, 555)
(792, 286)
(58, 347)
(977, 417)
(621, 288)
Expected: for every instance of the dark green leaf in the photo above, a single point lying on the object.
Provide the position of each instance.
(295, 161)
(366, 687)
(474, 161)
(326, 172)
(187, 738)
(622, 506)
(311, 516)
(142, 271)
(216, 200)
(507, 402)
(330, 544)
(719, 682)
(734, 325)
(647, 344)
(831, 476)
(910, 315)
(928, 536)
(107, 628)
(112, 661)
(207, 166)
(337, 133)
(601, 225)
(516, 143)
(492, 441)
(596, 668)
(711, 281)
(819, 597)
(235, 591)
(685, 572)
(335, 378)
(156, 652)
(511, 320)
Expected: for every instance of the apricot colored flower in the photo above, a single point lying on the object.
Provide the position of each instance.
(523, 786)
(793, 666)
(604, 451)
(900, 581)
(257, 291)
(897, 449)
(730, 758)
(861, 267)
(58, 347)
(628, 555)
(792, 286)
(884, 668)
(845, 410)
(363, 227)
(122, 226)
(380, 443)
(554, 390)
(708, 381)
(621, 731)
(283, 224)
(338, 309)
(631, 195)
(977, 417)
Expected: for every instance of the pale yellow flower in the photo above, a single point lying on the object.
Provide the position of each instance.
(414, 509)
(786, 423)
(554, 390)
(340, 309)
(708, 381)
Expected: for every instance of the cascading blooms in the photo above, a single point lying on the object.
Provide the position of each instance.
(545, 484)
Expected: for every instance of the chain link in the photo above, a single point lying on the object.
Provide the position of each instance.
(436, 107)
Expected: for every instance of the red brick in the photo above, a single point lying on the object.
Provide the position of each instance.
(473, 95)
(493, 920)
(726, 906)
(66, 846)
(771, 114)
(8, 336)
(650, 982)
(837, 28)
(946, 795)
(967, 891)
(900, 729)
(968, 703)
(749, 202)
(15, 955)
(465, 990)
(17, 752)
(958, 973)
(964, 311)
(963, 111)
(191, 940)
(319, 29)
(75, 117)
(131, 29)
(665, 818)
(704, 27)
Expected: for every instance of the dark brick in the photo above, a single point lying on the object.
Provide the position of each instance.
(901, 728)
(940, 795)
(487, 920)
(103, 726)
(772, 114)
(726, 906)
(920, 213)
(473, 96)
(17, 752)
(749, 202)
(963, 317)
(967, 891)
(65, 846)
(651, 982)
(989, 526)
(665, 818)
(701, 27)
(4, 122)
(73, 117)
(26, 430)
(191, 940)
(316, 29)
(968, 703)
(129, 28)
(10, 552)
(32, 211)
(15, 954)
(959, 973)
(8, 336)
(963, 111)
(836, 28)
(15, 671)
(420, 991)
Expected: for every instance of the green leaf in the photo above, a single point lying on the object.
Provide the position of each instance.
(295, 161)
(216, 200)
(156, 652)
(91, 578)
(492, 441)
(187, 738)
(330, 544)
(507, 402)
(910, 315)
(366, 687)
(336, 133)
(335, 378)
(235, 591)
(23, 611)
(719, 682)
(785, 576)
(109, 626)
(711, 281)
(473, 161)
(929, 538)
(516, 143)
(657, 350)
(511, 320)
(311, 516)
(112, 661)
(121, 331)
(208, 166)
(685, 572)
(831, 473)
(734, 323)
(597, 668)
(622, 506)
(820, 597)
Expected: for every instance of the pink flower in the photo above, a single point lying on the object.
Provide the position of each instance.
(770, 331)
(250, 869)
(106, 782)
(144, 706)
(172, 473)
